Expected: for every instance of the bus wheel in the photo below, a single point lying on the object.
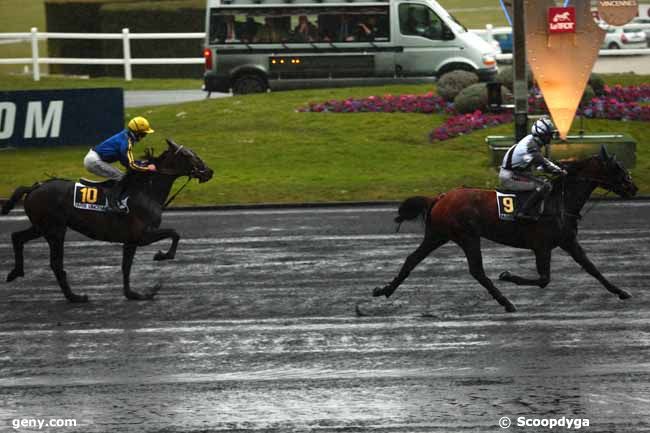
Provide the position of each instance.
(249, 83)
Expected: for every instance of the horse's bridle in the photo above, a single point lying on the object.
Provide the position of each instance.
(194, 173)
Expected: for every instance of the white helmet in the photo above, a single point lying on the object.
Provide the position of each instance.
(543, 129)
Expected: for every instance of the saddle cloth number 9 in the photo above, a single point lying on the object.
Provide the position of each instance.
(507, 204)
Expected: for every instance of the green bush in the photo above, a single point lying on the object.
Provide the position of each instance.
(597, 83)
(588, 95)
(475, 97)
(506, 77)
(451, 83)
(111, 16)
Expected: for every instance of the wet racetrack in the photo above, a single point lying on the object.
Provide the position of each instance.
(255, 329)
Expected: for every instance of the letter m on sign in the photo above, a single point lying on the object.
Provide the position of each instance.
(39, 126)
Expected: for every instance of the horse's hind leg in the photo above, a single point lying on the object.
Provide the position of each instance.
(425, 248)
(543, 258)
(55, 240)
(128, 252)
(575, 250)
(19, 239)
(472, 248)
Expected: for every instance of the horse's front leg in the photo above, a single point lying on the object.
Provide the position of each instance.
(575, 250)
(543, 259)
(152, 236)
(128, 252)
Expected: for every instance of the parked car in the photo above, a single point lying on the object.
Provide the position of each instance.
(624, 38)
(492, 41)
(642, 24)
(505, 42)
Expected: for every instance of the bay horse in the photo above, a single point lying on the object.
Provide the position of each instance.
(49, 207)
(465, 215)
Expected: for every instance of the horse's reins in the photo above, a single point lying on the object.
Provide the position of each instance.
(600, 183)
(175, 173)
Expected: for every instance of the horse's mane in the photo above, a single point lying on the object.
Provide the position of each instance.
(574, 165)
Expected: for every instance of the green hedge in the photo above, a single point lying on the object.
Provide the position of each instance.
(111, 16)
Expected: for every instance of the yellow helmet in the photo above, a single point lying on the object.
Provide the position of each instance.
(139, 125)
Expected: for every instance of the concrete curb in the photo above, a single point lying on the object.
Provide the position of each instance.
(336, 204)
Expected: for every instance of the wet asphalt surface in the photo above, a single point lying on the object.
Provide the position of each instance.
(255, 330)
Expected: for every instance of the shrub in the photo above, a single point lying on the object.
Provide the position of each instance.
(475, 98)
(506, 77)
(451, 83)
(597, 84)
(587, 96)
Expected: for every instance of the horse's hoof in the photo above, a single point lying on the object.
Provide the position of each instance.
(510, 308)
(624, 295)
(14, 274)
(377, 291)
(78, 299)
(154, 290)
(504, 276)
(160, 256)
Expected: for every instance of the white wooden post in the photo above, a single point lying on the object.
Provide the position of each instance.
(127, 54)
(36, 72)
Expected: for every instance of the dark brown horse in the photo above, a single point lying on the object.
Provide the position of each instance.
(465, 215)
(49, 207)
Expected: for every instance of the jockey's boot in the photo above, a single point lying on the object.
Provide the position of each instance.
(524, 213)
(113, 198)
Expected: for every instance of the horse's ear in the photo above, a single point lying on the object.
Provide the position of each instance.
(172, 145)
(604, 155)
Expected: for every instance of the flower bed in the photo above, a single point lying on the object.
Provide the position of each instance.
(617, 103)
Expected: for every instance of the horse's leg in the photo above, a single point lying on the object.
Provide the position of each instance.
(575, 250)
(19, 239)
(472, 248)
(543, 258)
(55, 240)
(425, 248)
(158, 235)
(128, 252)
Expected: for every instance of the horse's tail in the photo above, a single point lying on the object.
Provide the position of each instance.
(16, 196)
(414, 207)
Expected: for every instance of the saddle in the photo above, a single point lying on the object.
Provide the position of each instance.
(106, 184)
(93, 195)
(509, 202)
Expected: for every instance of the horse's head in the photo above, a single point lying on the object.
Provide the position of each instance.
(609, 173)
(178, 160)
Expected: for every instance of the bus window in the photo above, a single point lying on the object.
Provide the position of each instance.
(419, 20)
(281, 25)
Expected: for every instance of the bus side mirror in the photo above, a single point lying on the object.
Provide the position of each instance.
(447, 34)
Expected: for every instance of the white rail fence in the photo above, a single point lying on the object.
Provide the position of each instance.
(34, 36)
(126, 36)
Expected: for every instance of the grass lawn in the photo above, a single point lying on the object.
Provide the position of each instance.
(262, 150)
(21, 82)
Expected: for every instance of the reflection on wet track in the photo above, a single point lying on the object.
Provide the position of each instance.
(255, 329)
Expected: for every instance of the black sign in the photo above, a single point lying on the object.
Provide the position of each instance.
(60, 117)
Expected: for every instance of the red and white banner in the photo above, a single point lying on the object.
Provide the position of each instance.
(561, 20)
